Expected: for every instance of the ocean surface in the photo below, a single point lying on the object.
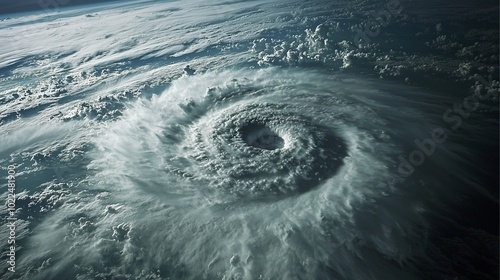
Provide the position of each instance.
(264, 139)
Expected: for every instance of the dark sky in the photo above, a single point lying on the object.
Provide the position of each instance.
(13, 6)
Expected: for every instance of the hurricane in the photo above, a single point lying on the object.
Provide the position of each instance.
(249, 140)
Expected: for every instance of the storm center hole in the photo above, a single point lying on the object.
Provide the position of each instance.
(261, 136)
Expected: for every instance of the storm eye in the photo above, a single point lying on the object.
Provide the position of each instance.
(261, 136)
